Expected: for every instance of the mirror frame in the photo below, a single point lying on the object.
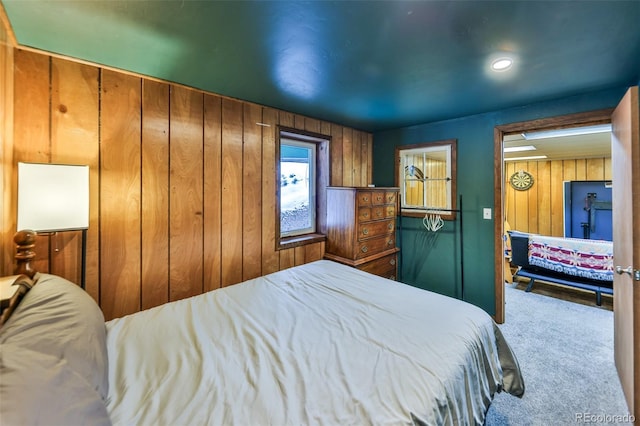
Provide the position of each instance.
(449, 212)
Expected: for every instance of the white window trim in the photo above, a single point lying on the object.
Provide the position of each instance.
(312, 184)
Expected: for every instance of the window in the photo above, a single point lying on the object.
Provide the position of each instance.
(302, 176)
(426, 176)
(297, 187)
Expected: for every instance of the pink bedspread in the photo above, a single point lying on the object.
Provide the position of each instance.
(581, 258)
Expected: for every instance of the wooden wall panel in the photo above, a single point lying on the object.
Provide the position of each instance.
(569, 170)
(74, 140)
(212, 191)
(521, 202)
(312, 125)
(337, 167)
(581, 169)
(299, 255)
(540, 210)
(251, 191)
(183, 198)
(509, 195)
(533, 209)
(287, 256)
(232, 113)
(557, 200)
(270, 257)
(32, 122)
(347, 157)
(544, 197)
(120, 190)
(369, 157)
(186, 193)
(595, 169)
(7, 182)
(155, 195)
(356, 158)
(313, 252)
(365, 165)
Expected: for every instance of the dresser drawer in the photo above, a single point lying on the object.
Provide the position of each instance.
(385, 267)
(375, 245)
(378, 198)
(390, 197)
(364, 199)
(375, 229)
(364, 214)
(378, 212)
(390, 211)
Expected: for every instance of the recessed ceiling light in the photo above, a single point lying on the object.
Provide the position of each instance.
(519, 148)
(501, 64)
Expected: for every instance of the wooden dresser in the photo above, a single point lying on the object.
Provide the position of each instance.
(361, 228)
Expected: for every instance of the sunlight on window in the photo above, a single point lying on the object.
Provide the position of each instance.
(297, 211)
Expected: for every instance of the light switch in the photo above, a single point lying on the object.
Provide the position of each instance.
(486, 213)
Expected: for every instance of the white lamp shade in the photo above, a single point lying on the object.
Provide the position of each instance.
(53, 197)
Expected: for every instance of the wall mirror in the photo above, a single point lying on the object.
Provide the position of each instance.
(426, 176)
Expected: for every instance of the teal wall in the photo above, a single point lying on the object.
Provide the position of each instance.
(432, 261)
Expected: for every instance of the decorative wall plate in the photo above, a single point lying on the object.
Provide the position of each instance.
(521, 180)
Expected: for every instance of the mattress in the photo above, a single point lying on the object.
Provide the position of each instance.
(320, 343)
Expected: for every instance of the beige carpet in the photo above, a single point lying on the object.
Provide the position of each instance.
(565, 351)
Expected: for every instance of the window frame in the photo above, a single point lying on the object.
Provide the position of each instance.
(312, 184)
(322, 179)
(450, 145)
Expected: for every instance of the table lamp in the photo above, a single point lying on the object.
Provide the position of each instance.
(54, 198)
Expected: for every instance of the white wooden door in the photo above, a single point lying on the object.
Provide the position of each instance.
(625, 157)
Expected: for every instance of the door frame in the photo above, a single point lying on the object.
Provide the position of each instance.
(602, 116)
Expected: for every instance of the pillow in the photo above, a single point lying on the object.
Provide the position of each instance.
(41, 389)
(59, 319)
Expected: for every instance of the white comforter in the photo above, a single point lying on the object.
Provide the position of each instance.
(321, 343)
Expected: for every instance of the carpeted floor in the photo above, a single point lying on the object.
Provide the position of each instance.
(565, 351)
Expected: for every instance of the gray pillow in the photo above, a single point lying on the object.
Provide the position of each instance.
(59, 319)
(40, 389)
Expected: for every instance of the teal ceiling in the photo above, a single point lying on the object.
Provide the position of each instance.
(372, 65)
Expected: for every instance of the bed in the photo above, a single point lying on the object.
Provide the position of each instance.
(320, 343)
(574, 262)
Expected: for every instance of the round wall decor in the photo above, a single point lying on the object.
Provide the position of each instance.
(521, 180)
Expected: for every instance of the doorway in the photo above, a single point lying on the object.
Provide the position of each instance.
(505, 131)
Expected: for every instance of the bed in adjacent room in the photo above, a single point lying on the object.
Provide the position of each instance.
(321, 343)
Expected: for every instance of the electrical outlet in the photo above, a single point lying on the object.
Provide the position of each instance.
(486, 213)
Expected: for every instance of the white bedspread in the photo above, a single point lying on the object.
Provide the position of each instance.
(321, 343)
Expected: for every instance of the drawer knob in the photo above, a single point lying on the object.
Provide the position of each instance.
(379, 198)
(392, 277)
(365, 231)
(392, 262)
(390, 226)
(365, 198)
(389, 242)
(365, 215)
(364, 249)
